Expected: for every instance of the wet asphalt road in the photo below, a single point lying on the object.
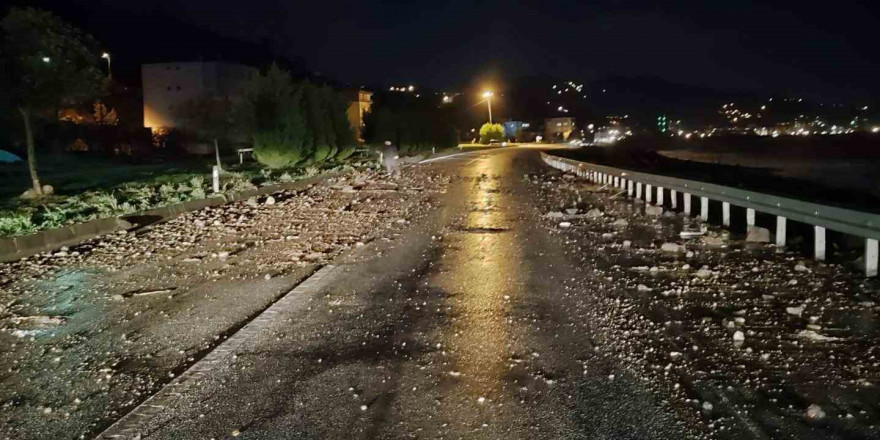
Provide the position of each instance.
(468, 325)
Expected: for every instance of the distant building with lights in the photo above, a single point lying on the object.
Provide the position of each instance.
(166, 86)
(558, 129)
(359, 103)
(514, 129)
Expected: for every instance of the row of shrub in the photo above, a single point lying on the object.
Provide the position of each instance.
(411, 124)
(295, 123)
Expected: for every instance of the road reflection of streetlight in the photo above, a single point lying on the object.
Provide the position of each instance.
(481, 276)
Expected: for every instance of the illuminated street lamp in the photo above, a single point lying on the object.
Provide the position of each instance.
(488, 95)
(106, 56)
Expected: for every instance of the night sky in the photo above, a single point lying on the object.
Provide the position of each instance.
(826, 50)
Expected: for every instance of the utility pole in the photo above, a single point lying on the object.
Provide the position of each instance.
(488, 96)
(106, 56)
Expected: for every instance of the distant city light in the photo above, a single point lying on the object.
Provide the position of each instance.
(46, 59)
(447, 99)
(411, 88)
(487, 94)
(875, 130)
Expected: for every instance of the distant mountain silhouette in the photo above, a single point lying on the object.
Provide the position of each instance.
(640, 97)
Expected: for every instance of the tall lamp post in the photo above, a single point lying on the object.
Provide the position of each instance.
(106, 56)
(488, 96)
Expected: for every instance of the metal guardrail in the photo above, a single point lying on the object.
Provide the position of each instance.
(847, 221)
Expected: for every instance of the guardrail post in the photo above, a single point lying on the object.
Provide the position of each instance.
(649, 190)
(725, 213)
(638, 190)
(704, 208)
(659, 196)
(674, 196)
(629, 188)
(819, 243)
(687, 204)
(750, 217)
(870, 257)
(780, 231)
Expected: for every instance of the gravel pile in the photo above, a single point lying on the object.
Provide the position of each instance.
(89, 331)
(746, 337)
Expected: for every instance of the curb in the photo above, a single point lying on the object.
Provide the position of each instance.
(16, 248)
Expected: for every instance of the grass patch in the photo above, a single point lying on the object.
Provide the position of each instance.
(88, 189)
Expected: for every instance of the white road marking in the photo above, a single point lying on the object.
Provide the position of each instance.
(447, 157)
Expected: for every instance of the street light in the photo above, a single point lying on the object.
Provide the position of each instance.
(488, 95)
(106, 56)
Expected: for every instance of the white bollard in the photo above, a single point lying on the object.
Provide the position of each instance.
(649, 191)
(659, 196)
(780, 231)
(704, 208)
(870, 257)
(750, 217)
(215, 177)
(725, 213)
(820, 242)
(616, 181)
(639, 190)
(629, 188)
(687, 204)
(674, 196)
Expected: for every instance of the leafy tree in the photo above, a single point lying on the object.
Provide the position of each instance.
(345, 139)
(320, 137)
(45, 63)
(273, 112)
(408, 122)
(491, 132)
(209, 117)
